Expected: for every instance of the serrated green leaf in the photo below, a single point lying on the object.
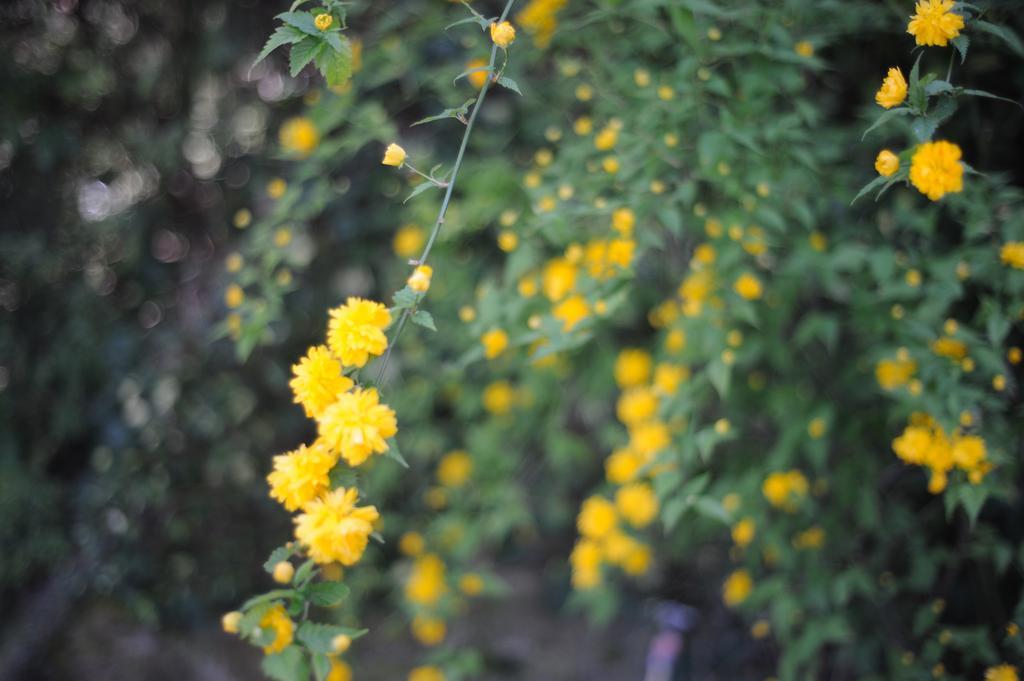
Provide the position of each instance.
(284, 35)
(961, 43)
(405, 298)
(507, 82)
(336, 64)
(424, 319)
(327, 594)
(287, 665)
(321, 666)
(276, 556)
(304, 52)
(304, 572)
(870, 186)
(304, 21)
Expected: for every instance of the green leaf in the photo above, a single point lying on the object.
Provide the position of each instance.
(275, 595)
(304, 52)
(405, 298)
(711, 508)
(478, 69)
(276, 556)
(395, 453)
(891, 113)
(304, 572)
(869, 187)
(961, 43)
(319, 638)
(327, 594)
(1011, 39)
(321, 666)
(982, 93)
(424, 319)
(287, 665)
(917, 98)
(482, 22)
(459, 113)
(718, 373)
(343, 476)
(419, 189)
(507, 82)
(284, 35)
(923, 128)
(336, 64)
(937, 86)
(304, 21)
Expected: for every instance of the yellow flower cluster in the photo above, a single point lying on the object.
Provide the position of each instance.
(935, 23)
(925, 443)
(895, 373)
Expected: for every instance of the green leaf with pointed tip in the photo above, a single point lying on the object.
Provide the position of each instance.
(448, 113)
(304, 21)
(395, 453)
(890, 114)
(982, 93)
(870, 186)
(336, 65)
(304, 52)
(424, 319)
(405, 297)
(507, 82)
(284, 35)
(1011, 39)
(419, 189)
(961, 43)
(276, 556)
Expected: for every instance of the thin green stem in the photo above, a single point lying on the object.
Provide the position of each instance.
(407, 312)
(949, 71)
(428, 178)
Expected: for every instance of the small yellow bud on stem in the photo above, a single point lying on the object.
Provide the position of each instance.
(283, 572)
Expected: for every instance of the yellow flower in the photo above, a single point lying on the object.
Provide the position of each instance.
(637, 405)
(737, 588)
(632, 367)
(649, 438)
(584, 92)
(426, 583)
(318, 381)
(357, 425)
(935, 169)
(234, 296)
(610, 165)
(419, 280)
(498, 397)
(760, 629)
(299, 136)
(339, 670)
(429, 631)
(426, 674)
(748, 286)
(571, 311)
(558, 279)
(887, 163)
(583, 126)
(276, 188)
(935, 23)
(817, 427)
(503, 34)
(282, 237)
(949, 347)
(606, 139)
(597, 517)
(495, 342)
(668, 377)
(642, 77)
(1003, 672)
(471, 584)
(623, 220)
(455, 468)
(539, 19)
(408, 241)
(811, 538)
(622, 465)
(356, 331)
(333, 529)
(782, 489)
(666, 93)
(233, 262)
(242, 218)
(411, 543)
(479, 74)
(300, 476)
(394, 155)
(637, 504)
(893, 91)
(230, 621)
(508, 240)
(323, 21)
(804, 48)
(1012, 255)
(743, 532)
(586, 564)
(277, 621)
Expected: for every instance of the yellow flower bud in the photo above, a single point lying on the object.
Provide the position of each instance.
(283, 572)
(323, 21)
(419, 280)
(394, 155)
(887, 163)
(341, 643)
(230, 621)
(503, 34)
